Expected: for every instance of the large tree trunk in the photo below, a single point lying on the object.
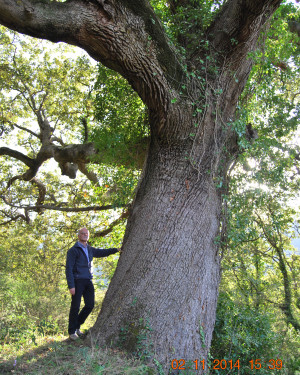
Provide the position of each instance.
(163, 296)
(162, 299)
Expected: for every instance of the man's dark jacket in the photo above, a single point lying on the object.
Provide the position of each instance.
(78, 267)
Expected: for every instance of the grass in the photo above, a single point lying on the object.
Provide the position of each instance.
(58, 355)
(36, 354)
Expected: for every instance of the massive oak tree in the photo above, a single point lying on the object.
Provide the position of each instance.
(164, 292)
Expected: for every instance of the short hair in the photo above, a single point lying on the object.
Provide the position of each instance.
(80, 229)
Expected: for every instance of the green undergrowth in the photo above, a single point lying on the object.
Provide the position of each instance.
(58, 355)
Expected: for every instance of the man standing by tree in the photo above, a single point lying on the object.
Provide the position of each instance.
(79, 275)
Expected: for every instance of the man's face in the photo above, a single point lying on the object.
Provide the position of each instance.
(83, 235)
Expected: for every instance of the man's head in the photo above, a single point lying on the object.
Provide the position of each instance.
(83, 235)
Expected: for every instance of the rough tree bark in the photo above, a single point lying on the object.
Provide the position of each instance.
(162, 298)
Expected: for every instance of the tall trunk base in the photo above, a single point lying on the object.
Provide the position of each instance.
(162, 299)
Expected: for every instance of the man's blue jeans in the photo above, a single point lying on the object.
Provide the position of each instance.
(83, 288)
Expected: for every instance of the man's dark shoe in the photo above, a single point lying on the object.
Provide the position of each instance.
(79, 333)
(73, 336)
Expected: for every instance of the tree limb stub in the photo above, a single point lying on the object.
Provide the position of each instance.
(74, 153)
(71, 156)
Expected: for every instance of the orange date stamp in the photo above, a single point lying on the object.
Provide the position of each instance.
(226, 364)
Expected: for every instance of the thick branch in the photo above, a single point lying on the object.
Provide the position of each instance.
(75, 153)
(238, 24)
(72, 157)
(22, 128)
(45, 127)
(126, 36)
(165, 55)
(30, 17)
(287, 305)
(34, 164)
(17, 155)
(42, 191)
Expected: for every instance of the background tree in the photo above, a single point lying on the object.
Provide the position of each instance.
(258, 303)
(170, 268)
(259, 279)
(33, 79)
